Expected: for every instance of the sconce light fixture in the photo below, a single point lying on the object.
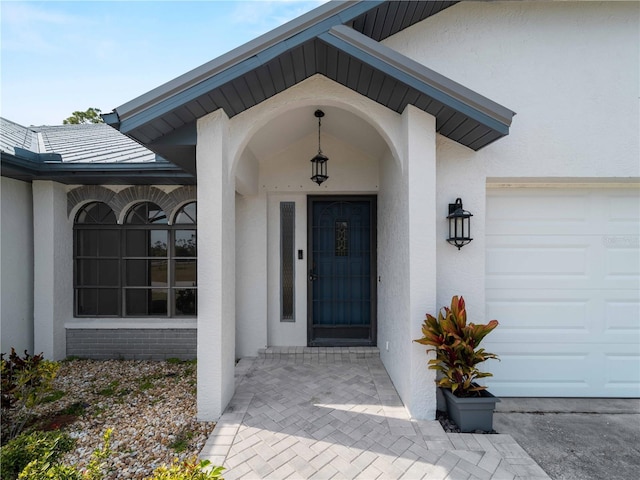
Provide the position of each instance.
(459, 225)
(319, 162)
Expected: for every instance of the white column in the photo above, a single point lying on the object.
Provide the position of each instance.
(53, 268)
(216, 267)
(420, 156)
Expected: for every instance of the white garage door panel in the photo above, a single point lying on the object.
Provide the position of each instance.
(563, 279)
(564, 316)
(566, 372)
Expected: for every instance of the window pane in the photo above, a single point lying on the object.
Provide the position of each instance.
(146, 243)
(136, 243)
(186, 301)
(146, 273)
(94, 301)
(185, 273)
(186, 243)
(108, 243)
(87, 243)
(108, 301)
(146, 302)
(92, 272)
(158, 243)
(159, 274)
(87, 301)
(187, 214)
(146, 213)
(96, 213)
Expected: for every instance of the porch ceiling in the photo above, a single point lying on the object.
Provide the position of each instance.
(338, 40)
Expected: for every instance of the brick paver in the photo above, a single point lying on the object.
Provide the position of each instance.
(333, 413)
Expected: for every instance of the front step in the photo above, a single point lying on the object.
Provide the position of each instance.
(320, 352)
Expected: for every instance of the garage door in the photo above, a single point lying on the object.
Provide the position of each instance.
(563, 279)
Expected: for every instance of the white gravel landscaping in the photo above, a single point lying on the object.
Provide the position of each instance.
(150, 405)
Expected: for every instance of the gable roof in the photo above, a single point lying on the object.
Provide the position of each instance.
(338, 40)
(79, 154)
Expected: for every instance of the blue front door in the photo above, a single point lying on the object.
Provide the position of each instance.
(342, 271)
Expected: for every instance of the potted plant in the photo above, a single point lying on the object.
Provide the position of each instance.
(455, 343)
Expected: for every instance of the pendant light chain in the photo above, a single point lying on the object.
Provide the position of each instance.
(319, 125)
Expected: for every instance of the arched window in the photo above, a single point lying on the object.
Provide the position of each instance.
(144, 267)
(97, 261)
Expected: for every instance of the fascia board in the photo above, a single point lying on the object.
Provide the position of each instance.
(265, 47)
(51, 170)
(424, 79)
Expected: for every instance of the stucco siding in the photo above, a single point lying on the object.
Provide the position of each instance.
(393, 265)
(53, 268)
(251, 275)
(17, 265)
(569, 69)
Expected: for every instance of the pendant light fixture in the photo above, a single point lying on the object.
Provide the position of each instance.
(319, 162)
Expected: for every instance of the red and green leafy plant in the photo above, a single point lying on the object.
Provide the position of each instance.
(455, 343)
(26, 382)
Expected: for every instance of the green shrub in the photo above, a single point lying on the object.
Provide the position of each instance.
(26, 382)
(23, 449)
(188, 470)
(50, 469)
(40, 470)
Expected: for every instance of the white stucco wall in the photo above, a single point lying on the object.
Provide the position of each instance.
(53, 268)
(571, 72)
(216, 268)
(407, 269)
(16, 257)
(251, 274)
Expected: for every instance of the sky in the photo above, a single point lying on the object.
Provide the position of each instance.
(59, 57)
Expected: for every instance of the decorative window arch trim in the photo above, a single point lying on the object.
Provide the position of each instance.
(80, 196)
(123, 200)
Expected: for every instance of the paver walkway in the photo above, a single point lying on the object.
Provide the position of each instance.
(333, 413)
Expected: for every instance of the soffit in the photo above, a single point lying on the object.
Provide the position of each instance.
(341, 45)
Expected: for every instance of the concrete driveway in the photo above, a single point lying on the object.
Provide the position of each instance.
(576, 439)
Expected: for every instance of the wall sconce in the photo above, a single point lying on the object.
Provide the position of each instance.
(319, 162)
(459, 225)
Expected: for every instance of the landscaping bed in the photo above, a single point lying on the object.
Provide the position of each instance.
(150, 405)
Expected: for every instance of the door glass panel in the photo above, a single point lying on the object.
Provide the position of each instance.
(342, 238)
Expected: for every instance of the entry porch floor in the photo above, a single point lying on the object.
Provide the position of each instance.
(333, 413)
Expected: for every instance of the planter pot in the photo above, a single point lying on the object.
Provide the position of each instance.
(472, 413)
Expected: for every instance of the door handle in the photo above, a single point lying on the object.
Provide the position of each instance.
(312, 276)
